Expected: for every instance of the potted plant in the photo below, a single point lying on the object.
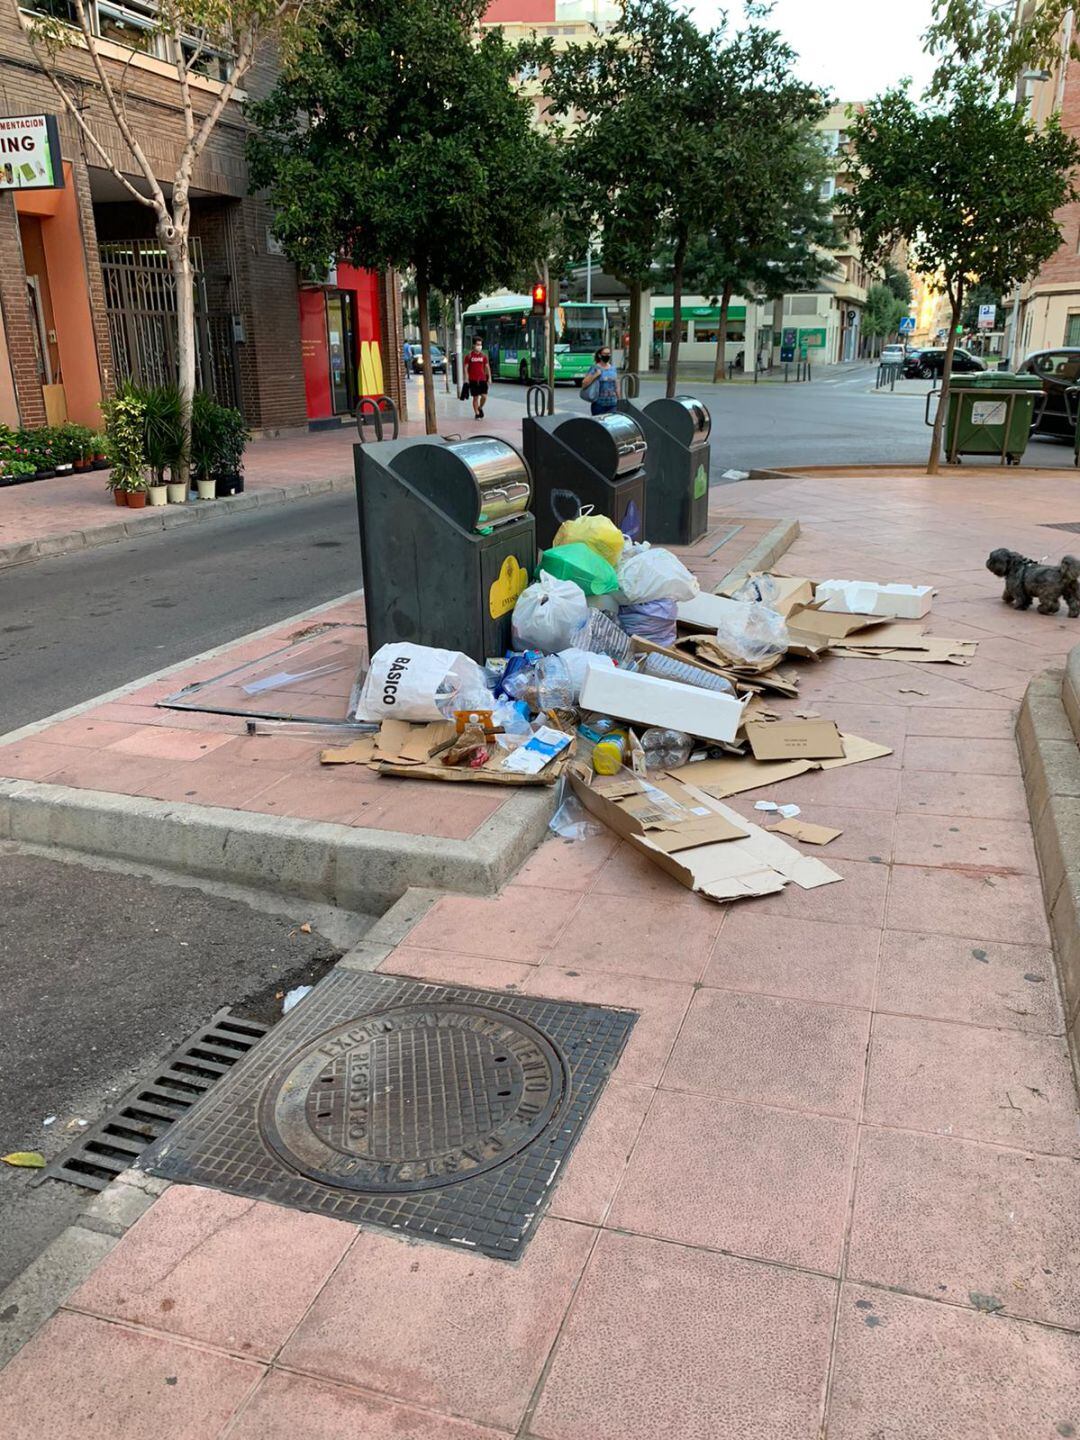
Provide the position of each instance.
(62, 448)
(206, 425)
(124, 419)
(163, 440)
(99, 457)
(75, 442)
(233, 436)
(41, 447)
(17, 461)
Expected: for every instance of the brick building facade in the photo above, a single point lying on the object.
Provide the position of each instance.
(84, 293)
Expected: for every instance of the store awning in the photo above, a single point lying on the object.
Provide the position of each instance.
(699, 312)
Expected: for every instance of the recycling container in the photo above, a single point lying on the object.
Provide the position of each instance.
(447, 541)
(676, 467)
(990, 413)
(580, 460)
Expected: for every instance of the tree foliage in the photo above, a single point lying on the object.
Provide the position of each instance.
(998, 39)
(978, 295)
(397, 138)
(681, 134)
(882, 313)
(971, 186)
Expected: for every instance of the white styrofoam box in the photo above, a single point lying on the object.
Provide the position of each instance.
(863, 597)
(649, 700)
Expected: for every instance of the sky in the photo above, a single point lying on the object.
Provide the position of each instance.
(855, 48)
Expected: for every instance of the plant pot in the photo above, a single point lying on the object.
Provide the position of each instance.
(120, 496)
(177, 494)
(82, 465)
(159, 494)
(228, 485)
(44, 474)
(136, 499)
(65, 469)
(99, 457)
(206, 488)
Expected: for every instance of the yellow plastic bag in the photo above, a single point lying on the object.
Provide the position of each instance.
(596, 531)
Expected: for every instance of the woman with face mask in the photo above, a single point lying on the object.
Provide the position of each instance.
(600, 385)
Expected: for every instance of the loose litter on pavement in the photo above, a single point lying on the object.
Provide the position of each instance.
(293, 997)
(803, 830)
(25, 1159)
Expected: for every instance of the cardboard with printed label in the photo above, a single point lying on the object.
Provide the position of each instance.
(795, 739)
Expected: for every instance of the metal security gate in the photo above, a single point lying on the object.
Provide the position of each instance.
(140, 299)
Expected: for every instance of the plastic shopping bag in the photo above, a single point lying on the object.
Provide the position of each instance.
(651, 620)
(753, 632)
(582, 564)
(648, 573)
(548, 615)
(414, 682)
(596, 531)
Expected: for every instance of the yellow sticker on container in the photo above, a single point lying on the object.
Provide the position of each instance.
(508, 585)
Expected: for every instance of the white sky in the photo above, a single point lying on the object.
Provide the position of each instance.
(855, 48)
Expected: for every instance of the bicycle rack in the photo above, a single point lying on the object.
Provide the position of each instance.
(536, 401)
(631, 385)
(370, 410)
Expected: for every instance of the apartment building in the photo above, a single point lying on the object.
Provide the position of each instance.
(86, 297)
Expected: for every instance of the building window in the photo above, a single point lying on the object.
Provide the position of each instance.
(1072, 330)
(828, 188)
(135, 23)
(662, 332)
(710, 334)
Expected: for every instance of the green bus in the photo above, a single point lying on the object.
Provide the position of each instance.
(514, 337)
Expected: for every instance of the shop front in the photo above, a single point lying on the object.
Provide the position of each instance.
(341, 343)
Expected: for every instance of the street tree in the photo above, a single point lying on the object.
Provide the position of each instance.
(971, 186)
(225, 34)
(898, 281)
(882, 313)
(398, 138)
(999, 39)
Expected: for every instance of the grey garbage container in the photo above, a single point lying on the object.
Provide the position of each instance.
(446, 539)
(582, 460)
(676, 467)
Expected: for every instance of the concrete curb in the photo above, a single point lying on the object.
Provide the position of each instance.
(169, 518)
(335, 864)
(1050, 760)
(766, 552)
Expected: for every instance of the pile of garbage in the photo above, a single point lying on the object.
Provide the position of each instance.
(648, 701)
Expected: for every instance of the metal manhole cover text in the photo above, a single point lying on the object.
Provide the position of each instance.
(413, 1097)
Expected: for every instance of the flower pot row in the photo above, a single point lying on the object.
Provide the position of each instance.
(171, 494)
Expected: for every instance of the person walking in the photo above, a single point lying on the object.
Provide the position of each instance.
(478, 374)
(600, 385)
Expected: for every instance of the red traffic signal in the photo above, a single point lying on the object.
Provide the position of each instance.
(539, 299)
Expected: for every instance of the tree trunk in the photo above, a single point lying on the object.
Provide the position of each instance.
(933, 465)
(676, 314)
(634, 328)
(176, 245)
(430, 423)
(720, 367)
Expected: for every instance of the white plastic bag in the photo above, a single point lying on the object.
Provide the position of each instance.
(577, 663)
(411, 682)
(651, 573)
(753, 632)
(548, 614)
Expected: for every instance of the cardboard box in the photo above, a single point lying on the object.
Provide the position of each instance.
(742, 860)
(795, 740)
(864, 597)
(648, 700)
(734, 775)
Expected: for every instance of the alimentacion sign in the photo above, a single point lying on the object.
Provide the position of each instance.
(30, 153)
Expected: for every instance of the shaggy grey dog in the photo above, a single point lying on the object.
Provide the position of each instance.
(1027, 580)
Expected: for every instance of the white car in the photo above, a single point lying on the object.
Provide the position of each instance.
(893, 355)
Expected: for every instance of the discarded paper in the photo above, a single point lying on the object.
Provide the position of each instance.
(802, 830)
(791, 739)
(733, 774)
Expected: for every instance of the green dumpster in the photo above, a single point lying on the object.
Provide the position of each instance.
(990, 413)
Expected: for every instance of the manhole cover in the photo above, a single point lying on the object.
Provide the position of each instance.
(412, 1098)
(432, 1110)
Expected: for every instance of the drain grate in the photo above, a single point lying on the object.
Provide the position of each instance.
(432, 1110)
(1072, 526)
(151, 1108)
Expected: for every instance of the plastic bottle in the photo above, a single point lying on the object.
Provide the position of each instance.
(608, 754)
(666, 749)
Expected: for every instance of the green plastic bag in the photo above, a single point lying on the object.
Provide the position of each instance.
(581, 564)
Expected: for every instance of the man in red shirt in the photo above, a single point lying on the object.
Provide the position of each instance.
(478, 374)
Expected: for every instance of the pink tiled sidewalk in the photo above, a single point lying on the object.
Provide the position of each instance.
(831, 1188)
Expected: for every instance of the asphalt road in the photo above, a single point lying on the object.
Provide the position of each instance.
(102, 975)
(77, 625)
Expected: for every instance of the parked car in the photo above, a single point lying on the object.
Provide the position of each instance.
(928, 364)
(1058, 370)
(892, 355)
(438, 359)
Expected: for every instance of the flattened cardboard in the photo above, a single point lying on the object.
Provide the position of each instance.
(751, 863)
(931, 650)
(735, 775)
(829, 625)
(795, 739)
(889, 635)
(807, 833)
(358, 752)
(708, 612)
(648, 700)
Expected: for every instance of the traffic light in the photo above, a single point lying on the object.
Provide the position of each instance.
(539, 299)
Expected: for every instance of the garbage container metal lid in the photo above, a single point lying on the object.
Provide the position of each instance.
(994, 380)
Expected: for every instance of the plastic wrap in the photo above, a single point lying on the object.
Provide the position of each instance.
(653, 620)
(753, 632)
